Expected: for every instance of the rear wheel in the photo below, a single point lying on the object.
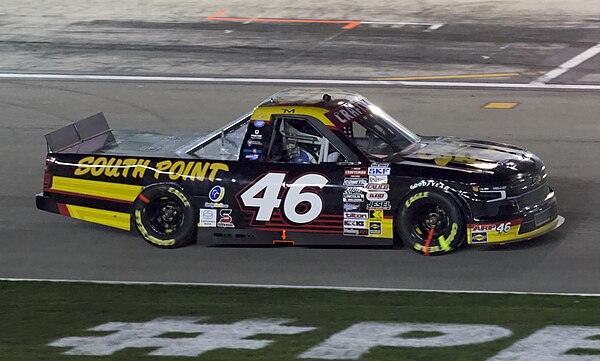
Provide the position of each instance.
(165, 217)
(431, 222)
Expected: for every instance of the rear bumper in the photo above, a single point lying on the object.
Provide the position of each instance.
(46, 203)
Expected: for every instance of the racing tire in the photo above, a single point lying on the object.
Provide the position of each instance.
(165, 217)
(431, 222)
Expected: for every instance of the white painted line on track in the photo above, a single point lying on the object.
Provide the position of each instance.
(430, 26)
(335, 288)
(568, 65)
(180, 79)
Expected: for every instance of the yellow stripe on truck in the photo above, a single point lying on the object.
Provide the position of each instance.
(265, 113)
(387, 228)
(116, 191)
(108, 218)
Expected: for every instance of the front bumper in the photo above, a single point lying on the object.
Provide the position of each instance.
(523, 225)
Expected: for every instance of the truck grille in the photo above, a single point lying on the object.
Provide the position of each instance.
(533, 197)
(545, 216)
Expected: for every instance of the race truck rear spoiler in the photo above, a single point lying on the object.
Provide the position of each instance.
(85, 136)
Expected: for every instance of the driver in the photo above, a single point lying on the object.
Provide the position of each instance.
(298, 154)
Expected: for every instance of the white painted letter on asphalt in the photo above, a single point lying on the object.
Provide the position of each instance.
(552, 343)
(206, 337)
(358, 339)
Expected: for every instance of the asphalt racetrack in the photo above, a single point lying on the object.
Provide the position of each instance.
(561, 127)
(493, 49)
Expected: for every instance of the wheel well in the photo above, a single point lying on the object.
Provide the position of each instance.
(464, 208)
(145, 188)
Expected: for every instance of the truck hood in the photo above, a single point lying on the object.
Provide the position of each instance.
(474, 155)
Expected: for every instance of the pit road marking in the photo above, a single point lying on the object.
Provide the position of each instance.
(341, 82)
(461, 76)
(500, 105)
(568, 65)
(349, 24)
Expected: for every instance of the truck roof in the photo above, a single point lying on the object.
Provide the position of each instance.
(325, 98)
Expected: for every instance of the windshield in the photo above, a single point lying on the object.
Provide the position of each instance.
(377, 134)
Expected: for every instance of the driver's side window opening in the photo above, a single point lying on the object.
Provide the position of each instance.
(295, 140)
(367, 140)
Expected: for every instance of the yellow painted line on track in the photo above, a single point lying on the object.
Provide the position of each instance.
(500, 105)
(349, 24)
(460, 76)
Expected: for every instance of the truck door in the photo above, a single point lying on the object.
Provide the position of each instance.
(297, 180)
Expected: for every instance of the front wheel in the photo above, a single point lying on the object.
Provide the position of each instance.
(165, 217)
(431, 222)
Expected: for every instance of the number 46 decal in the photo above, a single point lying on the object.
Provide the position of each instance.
(272, 183)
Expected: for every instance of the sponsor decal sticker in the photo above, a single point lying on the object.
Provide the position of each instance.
(259, 123)
(378, 187)
(430, 183)
(500, 227)
(251, 143)
(354, 198)
(377, 196)
(381, 205)
(257, 151)
(225, 219)
(378, 179)
(353, 189)
(252, 156)
(216, 193)
(256, 136)
(355, 223)
(207, 217)
(136, 168)
(379, 171)
(355, 172)
(351, 206)
(374, 227)
(348, 112)
(479, 236)
(356, 215)
(355, 232)
(376, 214)
(355, 181)
(216, 205)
